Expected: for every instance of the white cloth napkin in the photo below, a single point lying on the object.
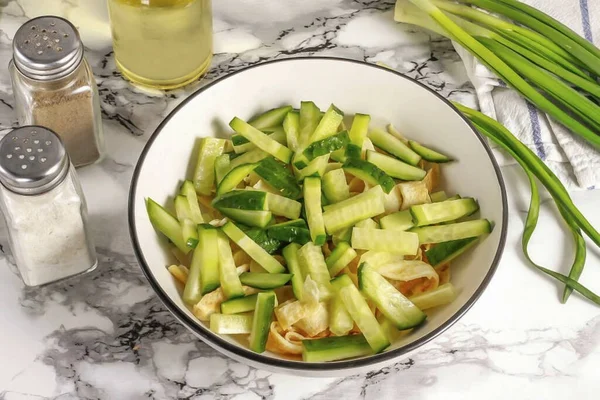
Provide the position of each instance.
(571, 158)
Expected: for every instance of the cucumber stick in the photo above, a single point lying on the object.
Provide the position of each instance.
(441, 295)
(340, 320)
(397, 308)
(242, 145)
(335, 348)
(359, 130)
(261, 140)
(445, 252)
(392, 241)
(369, 173)
(270, 118)
(314, 212)
(360, 312)
(400, 221)
(291, 126)
(316, 167)
(339, 258)
(438, 196)
(188, 190)
(182, 208)
(367, 223)
(395, 168)
(284, 206)
(242, 199)
(166, 224)
(459, 230)
(251, 248)
(449, 210)
(253, 156)
(428, 154)
(234, 177)
(325, 146)
(290, 253)
(328, 125)
(309, 119)
(348, 212)
(394, 146)
(204, 173)
(279, 177)
(335, 187)
(190, 233)
(204, 276)
(230, 281)
(259, 219)
(287, 232)
(261, 323)
(235, 324)
(240, 304)
(264, 280)
(222, 167)
(312, 263)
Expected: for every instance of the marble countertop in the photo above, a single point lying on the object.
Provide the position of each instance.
(106, 336)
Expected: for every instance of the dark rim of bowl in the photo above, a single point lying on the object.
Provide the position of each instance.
(216, 340)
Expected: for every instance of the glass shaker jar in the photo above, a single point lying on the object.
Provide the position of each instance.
(162, 43)
(44, 207)
(54, 87)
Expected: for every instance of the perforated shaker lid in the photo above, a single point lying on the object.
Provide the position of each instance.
(47, 48)
(33, 160)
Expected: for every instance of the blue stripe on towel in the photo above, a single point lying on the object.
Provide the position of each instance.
(585, 20)
(537, 131)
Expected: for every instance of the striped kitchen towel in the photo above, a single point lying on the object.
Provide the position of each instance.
(572, 159)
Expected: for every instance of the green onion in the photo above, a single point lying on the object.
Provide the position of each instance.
(505, 139)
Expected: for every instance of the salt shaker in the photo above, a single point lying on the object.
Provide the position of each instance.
(54, 87)
(44, 207)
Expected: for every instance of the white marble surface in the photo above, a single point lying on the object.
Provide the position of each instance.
(106, 336)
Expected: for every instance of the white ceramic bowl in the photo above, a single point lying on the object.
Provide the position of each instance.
(353, 86)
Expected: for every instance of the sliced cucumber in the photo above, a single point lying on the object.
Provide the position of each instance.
(459, 230)
(204, 173)
(243, 145)
(369, 173)
(392, 241)
(290, 253)
(352, 151)
(251, 157)
(235, 177)
(204, 268)
(187, 190)
(264, 281)
(449, 210)
(343, 235)
(182, 208)
(400, 221)
(359, 130)
(339, 258)
(394, 146)
(340, 320)
(284, 206)
(309, 119)
(316, 167)
(261, 238)
(325, 146)
(328, 125)
(428, 154)
(270, 118)
(312, 263)
(444, 252)
(240, 304)
(377, 259)
(231, 324)
(166, 224)
(335, 187)
(395, 133)
(190, 233)
(290, 232)
(222, 167)
(279, 177)
(259, 219)
(242, 199)
(251, 248)
(361, 313)
(261, 323)
(314, 212)
(441, 295)
(367, 223)
(261, 140)
(335, 348)
(291, 126)
(388, 299)
(230, 281)
(438, 196)
(348, 212)
(395, 168)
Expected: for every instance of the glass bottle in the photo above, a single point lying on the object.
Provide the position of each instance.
(53, 86)
(162, 43)
(44, 207)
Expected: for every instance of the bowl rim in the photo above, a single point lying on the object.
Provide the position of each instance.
(215, 340)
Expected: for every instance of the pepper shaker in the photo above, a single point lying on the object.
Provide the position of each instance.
(44, 207)
(54, 87)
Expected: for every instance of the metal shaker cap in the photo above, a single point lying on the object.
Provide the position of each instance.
(47, 48)
(33, 160)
